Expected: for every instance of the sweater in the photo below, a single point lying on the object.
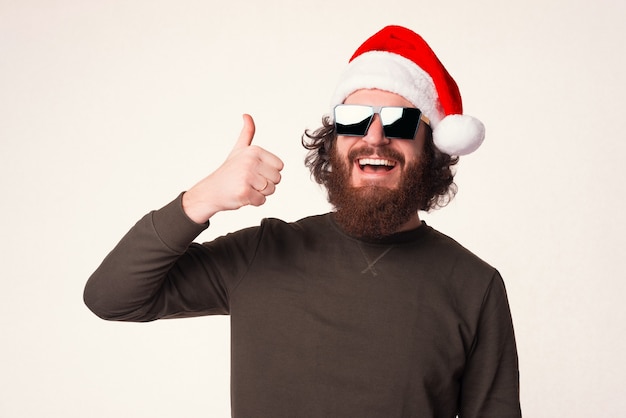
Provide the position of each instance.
(323, 324)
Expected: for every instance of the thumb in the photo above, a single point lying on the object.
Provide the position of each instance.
(246, 135)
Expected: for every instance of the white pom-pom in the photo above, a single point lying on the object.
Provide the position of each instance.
(459, 134)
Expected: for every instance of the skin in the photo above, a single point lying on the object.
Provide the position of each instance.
(250, 173)
(376, 140)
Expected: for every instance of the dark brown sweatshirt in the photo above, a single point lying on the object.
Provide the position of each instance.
(325, 325)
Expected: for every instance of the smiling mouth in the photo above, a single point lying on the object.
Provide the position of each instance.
(375, 165)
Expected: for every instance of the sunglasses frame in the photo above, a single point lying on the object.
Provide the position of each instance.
(377, 110)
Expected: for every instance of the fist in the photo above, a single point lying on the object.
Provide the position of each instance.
(247, 176)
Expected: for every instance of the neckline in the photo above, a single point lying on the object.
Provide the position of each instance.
(402, 237)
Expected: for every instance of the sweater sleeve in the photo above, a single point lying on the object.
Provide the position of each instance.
(490, 386)
(156, 271)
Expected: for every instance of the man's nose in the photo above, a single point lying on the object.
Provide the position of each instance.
(375, 135)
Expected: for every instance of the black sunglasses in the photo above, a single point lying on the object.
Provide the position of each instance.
(398, 122)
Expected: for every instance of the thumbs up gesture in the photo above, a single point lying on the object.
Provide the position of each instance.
(247, 177)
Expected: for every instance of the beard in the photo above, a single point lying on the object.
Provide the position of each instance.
(371, 211)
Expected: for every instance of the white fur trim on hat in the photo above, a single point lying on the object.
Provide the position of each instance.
(394, 73)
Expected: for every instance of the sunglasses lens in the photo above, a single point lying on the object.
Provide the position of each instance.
(353, 120)
(400, 122)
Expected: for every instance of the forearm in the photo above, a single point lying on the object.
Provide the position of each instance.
(154, 273)
(132, 276)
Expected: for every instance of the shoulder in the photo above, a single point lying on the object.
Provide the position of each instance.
(315, 224)
(455, 261)
(277, 236)
(450, 248)
(273, 228)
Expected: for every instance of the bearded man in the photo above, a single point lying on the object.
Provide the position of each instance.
(362, 312)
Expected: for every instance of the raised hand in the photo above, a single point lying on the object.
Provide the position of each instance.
(247, 177)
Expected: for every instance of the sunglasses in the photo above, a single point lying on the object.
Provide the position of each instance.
(398, 122)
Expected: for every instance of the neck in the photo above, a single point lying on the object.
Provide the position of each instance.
(412, 223)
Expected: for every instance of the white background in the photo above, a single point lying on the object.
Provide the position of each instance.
(109, 109)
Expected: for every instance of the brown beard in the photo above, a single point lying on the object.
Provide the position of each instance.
(370, 211)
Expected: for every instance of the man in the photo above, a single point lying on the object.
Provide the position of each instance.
(363, 312)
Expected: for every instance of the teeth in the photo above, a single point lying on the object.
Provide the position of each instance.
(372, 161)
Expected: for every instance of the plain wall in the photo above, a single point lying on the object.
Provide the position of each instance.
(109, 109)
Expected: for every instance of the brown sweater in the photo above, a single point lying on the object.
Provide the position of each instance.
(324, 325)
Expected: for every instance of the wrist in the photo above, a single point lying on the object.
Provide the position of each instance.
(195, 210)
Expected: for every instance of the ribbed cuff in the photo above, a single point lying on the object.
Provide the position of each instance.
(174, 227)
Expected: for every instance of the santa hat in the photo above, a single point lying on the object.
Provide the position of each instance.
(398, 60)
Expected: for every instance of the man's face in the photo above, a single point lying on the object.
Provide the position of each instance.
(376, 182)
(375, 160)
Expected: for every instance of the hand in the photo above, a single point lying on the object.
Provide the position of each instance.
(247, 177)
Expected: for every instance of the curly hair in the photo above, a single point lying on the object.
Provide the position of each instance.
(438, 174)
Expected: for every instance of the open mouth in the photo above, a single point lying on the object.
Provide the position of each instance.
(376, 165)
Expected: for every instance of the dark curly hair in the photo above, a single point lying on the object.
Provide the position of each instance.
(438, 174)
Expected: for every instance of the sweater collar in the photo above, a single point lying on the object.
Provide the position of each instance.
(396, 238)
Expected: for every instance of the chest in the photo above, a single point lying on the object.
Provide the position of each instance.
(383, 311)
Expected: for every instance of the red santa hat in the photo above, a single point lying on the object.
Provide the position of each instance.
(398, 60)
